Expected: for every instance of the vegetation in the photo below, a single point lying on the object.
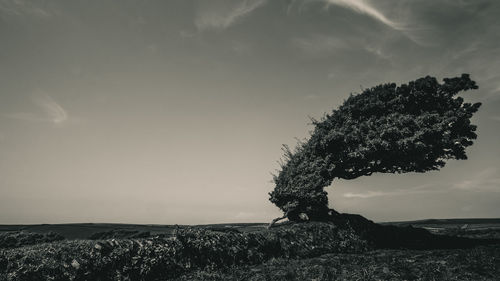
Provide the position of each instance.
(413, 127)
(347, 249)
(14, 239)
(120, 234)
(160, 258)
(482, 263)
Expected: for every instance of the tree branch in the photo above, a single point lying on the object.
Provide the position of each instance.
(277, 219)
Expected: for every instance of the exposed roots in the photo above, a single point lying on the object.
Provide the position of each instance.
(277, 220)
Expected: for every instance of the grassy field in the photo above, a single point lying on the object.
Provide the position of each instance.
(481, 263)
(472, 228)
(311, 251)
(86, 230)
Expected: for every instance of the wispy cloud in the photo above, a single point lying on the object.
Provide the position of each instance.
(51, 112)
(493, 94)
(486, 180)
(318, 45)
(54, 111)
(220, 15)
(378, 52)
(244, 215)
(412, 31)
(420, 189)
(368, 194)
(365, 7)
(30, 8)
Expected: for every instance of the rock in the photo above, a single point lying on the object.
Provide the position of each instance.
(304, 216)
(75, 264)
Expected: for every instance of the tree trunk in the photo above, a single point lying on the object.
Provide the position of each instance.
(325, 214)
(277, 219)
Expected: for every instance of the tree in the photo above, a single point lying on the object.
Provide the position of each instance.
(413, 127)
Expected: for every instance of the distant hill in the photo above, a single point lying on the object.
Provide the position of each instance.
(447, 221)
(86, 230)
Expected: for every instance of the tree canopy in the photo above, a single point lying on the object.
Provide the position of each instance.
(414, 127)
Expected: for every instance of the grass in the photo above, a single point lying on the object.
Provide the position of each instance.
(481, 263)
(355, 250)
(161, 258)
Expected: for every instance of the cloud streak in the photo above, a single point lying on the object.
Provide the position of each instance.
(317, 44)
(364, 195)
(52, 112)
(26, 8)
(364, 7)
(222, 15)
(486, 180)
(55, 113)
(409, 30)
(421, 189)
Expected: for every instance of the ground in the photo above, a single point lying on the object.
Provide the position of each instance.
(476, 263)
(481, 263)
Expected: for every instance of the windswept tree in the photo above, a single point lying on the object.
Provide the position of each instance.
(414, 127)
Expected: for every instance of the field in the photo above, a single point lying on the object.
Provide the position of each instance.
(480, 263)
(311, 251)
(85, 230)
(473, 228)
(464, 227)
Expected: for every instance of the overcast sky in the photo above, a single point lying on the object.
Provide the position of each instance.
(175, 111)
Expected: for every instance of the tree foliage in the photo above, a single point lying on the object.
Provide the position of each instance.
(413, 127)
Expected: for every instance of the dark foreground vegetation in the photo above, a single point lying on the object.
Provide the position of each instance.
(15, 239)
(159, 258)
(480, 263)
(349, 248)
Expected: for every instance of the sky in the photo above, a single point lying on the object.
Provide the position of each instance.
(175, 112)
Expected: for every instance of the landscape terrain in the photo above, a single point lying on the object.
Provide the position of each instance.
(247, 251)
(470, 227)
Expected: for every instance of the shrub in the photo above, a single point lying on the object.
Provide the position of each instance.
(14, 239)
(160, 258)
(120, 234)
